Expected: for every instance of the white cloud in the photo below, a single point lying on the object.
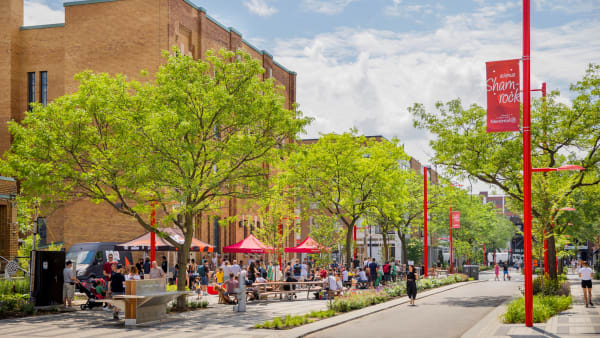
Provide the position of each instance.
(568, 6)
(329, 7)
(260, 7)
(37, 12)
(368, 78)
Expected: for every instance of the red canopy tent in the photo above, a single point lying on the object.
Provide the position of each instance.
(308, 245)
(142, 243)
(249, 244)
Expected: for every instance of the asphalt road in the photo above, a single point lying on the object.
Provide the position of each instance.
(448, 314)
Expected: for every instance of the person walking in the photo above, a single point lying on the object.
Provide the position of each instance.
(505, 268)
(116, 286)
(497, 272)
(373, 271)
(411, 284)
(585, 273)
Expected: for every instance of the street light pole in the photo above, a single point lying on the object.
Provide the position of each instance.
(152, 234)
(425, 219)
(527, 165)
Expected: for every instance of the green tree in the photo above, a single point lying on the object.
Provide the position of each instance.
(199, 132)
(561, 135)
(328, 232)
(339, 174)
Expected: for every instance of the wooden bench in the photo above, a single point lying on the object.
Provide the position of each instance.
(265, 290)
(144, 301)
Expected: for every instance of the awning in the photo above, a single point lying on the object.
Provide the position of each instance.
(249, 244)
(308, 245)
(142, 243)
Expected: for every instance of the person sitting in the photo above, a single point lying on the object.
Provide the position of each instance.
(290, 287)
(331, 285)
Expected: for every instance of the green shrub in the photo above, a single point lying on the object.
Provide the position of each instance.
(597, 275)
(15, 286)
(28, 308)
(544, 307)
(13, 302)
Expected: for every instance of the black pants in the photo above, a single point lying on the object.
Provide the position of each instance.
(411, 289)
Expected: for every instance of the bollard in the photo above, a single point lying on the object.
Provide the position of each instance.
(241, 305)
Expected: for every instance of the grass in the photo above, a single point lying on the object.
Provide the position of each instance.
(544, 307)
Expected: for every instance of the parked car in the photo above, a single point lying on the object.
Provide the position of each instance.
(88, 258)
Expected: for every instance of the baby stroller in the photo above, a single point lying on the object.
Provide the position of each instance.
(93, 297)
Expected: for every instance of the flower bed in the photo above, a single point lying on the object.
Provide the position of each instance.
(544, 307)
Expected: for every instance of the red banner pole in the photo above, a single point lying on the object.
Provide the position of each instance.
(451, 239)
(426, 262)
(280, 234)
(152, 234)
(527, 165)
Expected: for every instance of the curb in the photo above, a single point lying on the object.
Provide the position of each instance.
(324, 324)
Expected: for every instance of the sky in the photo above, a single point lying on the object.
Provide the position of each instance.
(361, 63)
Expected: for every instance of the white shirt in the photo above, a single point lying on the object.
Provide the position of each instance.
(130, 277)
(345, 275)
(235, 269)
(362, 275)
(303, 270)
(332, 283)
(586, 273)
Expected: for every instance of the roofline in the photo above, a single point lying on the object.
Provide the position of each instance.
(85, 2)
(52, 25)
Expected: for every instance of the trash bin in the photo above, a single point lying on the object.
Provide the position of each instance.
(467, 270)
(474, 269)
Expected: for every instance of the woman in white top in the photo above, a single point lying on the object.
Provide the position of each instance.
(586, 283)
(133, 274)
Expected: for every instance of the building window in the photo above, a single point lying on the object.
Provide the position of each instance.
(44, 88)
(270, 72)
(30, 89)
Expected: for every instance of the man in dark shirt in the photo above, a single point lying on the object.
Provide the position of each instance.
(147, 266)
(372, 271)
(116, 285)
(164, 264)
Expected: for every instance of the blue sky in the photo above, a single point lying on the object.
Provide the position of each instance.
(361, 63)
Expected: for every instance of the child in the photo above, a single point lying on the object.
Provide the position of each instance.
(220, 276)
(496, 271)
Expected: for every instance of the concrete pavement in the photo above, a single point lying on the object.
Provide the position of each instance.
(578, 321)
(447, 314)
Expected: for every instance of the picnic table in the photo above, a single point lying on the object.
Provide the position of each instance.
(276, 288)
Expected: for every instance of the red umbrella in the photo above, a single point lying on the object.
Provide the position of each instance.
(249, 244)
(308, 245)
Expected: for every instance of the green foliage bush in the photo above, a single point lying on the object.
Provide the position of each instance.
(19, 286)
(544, 307)
(14, 302)
(288, 321)
(551, 287)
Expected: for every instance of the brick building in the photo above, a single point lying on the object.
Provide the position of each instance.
(37, 64)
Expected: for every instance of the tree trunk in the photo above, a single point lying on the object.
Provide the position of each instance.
(404, 248)
(385, 246)
(182, 259)
(551, 256)
(349, 242)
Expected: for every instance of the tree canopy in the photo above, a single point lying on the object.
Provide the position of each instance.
(561, 134)
(198, 132)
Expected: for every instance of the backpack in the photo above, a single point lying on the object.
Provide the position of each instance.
(297, 270)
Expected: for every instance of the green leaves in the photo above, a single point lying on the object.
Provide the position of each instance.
(197, 133)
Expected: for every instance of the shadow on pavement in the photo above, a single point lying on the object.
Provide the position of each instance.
(481, 301)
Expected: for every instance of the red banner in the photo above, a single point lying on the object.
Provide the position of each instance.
(456, 220)
(503, 96)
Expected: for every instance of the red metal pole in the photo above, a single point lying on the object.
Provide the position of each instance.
(152, 234)
(280, 234)
(467, 259)
(483, 253)
(527, 165)
(451, 239)
(425, 219)
(545, 239)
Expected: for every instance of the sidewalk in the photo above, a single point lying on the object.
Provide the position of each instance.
(216, 321)
(578, 321)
